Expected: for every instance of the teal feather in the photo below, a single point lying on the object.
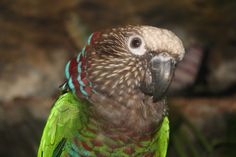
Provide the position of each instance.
(58, 150)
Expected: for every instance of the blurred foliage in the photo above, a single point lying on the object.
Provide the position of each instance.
(188, 139)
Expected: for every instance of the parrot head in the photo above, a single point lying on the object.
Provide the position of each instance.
(128, 65)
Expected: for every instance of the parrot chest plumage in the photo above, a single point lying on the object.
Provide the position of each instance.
(93, 142)
(67, 134)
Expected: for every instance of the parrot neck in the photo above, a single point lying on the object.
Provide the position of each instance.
(141, 118)
(126, 134)
(76, 71)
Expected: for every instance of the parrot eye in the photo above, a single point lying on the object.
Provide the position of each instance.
(135, 42)
(136, 45)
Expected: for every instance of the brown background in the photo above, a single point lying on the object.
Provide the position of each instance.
(38, 37)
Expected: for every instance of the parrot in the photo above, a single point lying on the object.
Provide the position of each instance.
(113, 100)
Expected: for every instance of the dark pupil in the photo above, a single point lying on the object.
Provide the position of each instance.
(135, 43)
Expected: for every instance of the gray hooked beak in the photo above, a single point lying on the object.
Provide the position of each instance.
(162, 68)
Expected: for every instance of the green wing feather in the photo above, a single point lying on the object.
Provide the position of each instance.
(67, 116)
(162, 138)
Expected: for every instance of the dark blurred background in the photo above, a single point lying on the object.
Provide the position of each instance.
(38, 37)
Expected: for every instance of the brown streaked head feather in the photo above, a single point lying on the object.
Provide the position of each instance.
(117, 68)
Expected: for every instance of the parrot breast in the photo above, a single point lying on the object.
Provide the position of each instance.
(91, 142)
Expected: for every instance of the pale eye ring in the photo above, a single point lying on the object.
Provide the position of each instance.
(136, 45)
